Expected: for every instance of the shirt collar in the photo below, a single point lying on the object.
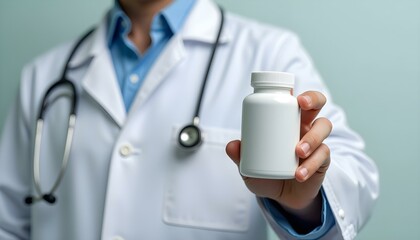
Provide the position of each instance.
(115, 17)
(173, 16)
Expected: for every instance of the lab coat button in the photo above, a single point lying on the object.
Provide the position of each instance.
(117, 238)
(341, 213)
(126, 150)
(134, 78)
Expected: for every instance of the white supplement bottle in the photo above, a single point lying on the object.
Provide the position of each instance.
(270, 127)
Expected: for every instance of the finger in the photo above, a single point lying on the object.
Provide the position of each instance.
(233, 150)
(310, 102)
(318, 163)
(321, 129)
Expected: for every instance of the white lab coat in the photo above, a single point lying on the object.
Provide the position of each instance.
(127, 179)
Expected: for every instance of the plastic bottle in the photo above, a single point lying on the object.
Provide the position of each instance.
(270, 127)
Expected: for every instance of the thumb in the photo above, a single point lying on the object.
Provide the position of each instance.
(233, 150)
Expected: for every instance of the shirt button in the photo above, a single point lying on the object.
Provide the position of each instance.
(134, 78)
(341, 213)
(126, 150)
(117, 238)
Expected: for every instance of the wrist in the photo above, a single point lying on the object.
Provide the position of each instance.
(304, 218)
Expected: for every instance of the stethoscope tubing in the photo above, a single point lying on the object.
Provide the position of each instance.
(196, 118)
(190, 136)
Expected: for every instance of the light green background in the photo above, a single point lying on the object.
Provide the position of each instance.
(368, 52)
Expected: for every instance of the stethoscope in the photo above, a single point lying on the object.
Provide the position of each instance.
(189, 137)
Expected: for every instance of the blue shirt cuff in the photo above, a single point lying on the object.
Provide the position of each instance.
(327, 219)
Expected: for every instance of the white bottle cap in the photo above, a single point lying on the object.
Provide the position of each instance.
(272, 79)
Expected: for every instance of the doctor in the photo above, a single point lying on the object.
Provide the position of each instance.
(137, 79)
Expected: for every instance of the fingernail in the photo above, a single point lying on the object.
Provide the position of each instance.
(307, 99)
(305, 148)
(304, 172)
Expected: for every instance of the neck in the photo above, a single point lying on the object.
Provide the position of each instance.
(141, 13)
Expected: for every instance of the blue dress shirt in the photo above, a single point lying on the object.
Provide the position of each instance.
(131, 68)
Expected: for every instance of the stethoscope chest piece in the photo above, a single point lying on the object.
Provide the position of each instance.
(190, 137)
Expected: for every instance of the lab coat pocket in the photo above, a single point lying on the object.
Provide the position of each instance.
(204, 188)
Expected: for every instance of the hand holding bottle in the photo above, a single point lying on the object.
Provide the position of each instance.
(299, 196)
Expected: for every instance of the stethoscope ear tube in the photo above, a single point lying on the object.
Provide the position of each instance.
(49, 197)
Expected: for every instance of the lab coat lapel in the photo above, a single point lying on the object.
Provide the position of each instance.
(173, 54)
(100, 80)
(101, 84)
